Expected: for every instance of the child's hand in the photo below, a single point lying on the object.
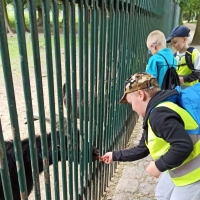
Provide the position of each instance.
(181, 80)
(107, 158)
(152, 170)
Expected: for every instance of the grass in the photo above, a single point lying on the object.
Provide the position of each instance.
(13, 42)
(191, 22)
(15, 56)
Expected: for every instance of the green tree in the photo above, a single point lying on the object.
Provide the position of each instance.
(189, 7)
(192, 6)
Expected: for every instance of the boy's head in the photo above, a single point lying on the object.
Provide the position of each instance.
(179, 38)
(156, 41)
(139, 88)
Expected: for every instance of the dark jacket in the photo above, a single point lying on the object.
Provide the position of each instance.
(168, 125)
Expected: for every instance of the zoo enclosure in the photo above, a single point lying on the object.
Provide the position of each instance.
(100, 52)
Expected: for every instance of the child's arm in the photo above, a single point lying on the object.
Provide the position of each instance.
(192, 77)
(195, 75)
(135, 153)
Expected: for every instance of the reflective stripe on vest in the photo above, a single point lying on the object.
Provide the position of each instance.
(184, 70)
(189, 171)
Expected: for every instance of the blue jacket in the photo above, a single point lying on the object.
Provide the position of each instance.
(157, 65)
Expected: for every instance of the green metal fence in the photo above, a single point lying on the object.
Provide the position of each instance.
(100, 44)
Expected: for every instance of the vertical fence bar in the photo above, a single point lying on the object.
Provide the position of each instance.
(49, 66)
(113, 85)
(101, 71)
(108, 125)
(4, 170)
(27, 94)
(86, 104)
(91, 112)
(106, 107)
(74, 99)
(96, 35)
(56, 30)
(68, 95)
(12, 105)
(115, 74)
(40, 97)
(118, 71)
(103, 98)
(81, 100)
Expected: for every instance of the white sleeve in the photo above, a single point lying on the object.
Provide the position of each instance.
(197, 62)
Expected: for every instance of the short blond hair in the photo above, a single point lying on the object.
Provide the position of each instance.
(151, 92)
(158, 37)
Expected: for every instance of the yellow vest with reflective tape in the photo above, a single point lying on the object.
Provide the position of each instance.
(189, 171)
(184, 69)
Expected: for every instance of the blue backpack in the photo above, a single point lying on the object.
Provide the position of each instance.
(190, 101)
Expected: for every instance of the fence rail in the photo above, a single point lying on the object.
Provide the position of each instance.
(100, 43)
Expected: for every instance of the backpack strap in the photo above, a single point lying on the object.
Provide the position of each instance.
(165, 59)
(188, 57)
(175, 54)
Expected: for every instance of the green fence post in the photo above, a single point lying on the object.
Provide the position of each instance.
(49, 66)
(56, 31)
(96, 52)
(74, 99)
(40, 97)
(86, 181)
(81, 102)
(68, 96)
(12, 105)
(4, 170)
(91, 116)
(27, 95)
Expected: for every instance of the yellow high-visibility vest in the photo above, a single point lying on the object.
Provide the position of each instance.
(184, 69)
(189, 171)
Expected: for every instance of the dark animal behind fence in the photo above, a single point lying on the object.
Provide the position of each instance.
(78, 100)
(27, 163)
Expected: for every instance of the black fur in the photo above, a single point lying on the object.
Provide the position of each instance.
(27, 163)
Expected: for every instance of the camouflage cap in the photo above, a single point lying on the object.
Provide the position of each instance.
(138, 81)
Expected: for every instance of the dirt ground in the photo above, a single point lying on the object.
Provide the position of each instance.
(21, 110)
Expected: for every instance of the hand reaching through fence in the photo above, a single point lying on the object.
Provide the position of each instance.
(107, 158)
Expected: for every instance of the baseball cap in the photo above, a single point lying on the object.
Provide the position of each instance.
(180, 31)
(138, 81)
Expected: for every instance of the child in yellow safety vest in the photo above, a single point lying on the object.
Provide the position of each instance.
(175, 153)
(188, 58)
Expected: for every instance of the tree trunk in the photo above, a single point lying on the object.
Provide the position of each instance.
(26, 28)
(40, 20)
(189, 16)
(181, 17)
(8, 27)
(196, 38)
